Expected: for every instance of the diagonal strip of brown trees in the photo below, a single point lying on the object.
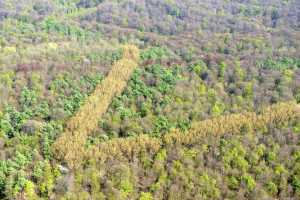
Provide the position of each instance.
(70, 145)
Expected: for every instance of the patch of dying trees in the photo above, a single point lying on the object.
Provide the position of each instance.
(129, 148)
(70, 145)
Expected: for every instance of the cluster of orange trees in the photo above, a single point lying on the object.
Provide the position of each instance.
(276, 115)
(70, 145)
(120, 148)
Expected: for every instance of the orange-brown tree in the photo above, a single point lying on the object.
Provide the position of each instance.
(70, 145)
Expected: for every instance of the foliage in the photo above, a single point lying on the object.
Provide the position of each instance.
(195, 120)
(70, 145)
(280, 64)
(241, 162)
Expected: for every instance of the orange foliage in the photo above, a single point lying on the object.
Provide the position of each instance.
(70, 146)
(277, 115)
(128, 148)
(124, 148)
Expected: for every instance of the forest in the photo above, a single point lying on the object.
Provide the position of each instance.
(149, 99)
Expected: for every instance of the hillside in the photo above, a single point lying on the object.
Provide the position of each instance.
(149, 99)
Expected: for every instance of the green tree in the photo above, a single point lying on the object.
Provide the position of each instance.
(146, 196)
(208, 187)
(249, 182)
(272, 188)
(222, 69)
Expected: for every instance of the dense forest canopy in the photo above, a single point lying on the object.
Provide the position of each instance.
(149, 99)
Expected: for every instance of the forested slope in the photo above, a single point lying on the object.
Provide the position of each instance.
(207, 110)
(201, 163)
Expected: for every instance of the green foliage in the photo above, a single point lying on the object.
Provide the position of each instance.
(271, 156)
(248, 91)
(20, 160)
(202, 89)
(233, 155)
(199, 67)
(296, 183)
(233, 182)
(280, 64)
(162, 125)
(29, 190)
(12, 175)
(70, 103)
(12, 121)
(184, 125)
(161, 156)
(126, 188)
(110, 56)
(146, 196)
(222, 69)
(239, 71)
(51, 24)
(272, 188)
(15, 183)
(44, 177)
(279, 170)
(69, 92)
(218, 109)
(144, 101)
(248, 181)
(3, 173)
(49, 133)
(295, 177)
(42, 110)
(154, 53)
(6, 78)
(28, 100)
(209, 188)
